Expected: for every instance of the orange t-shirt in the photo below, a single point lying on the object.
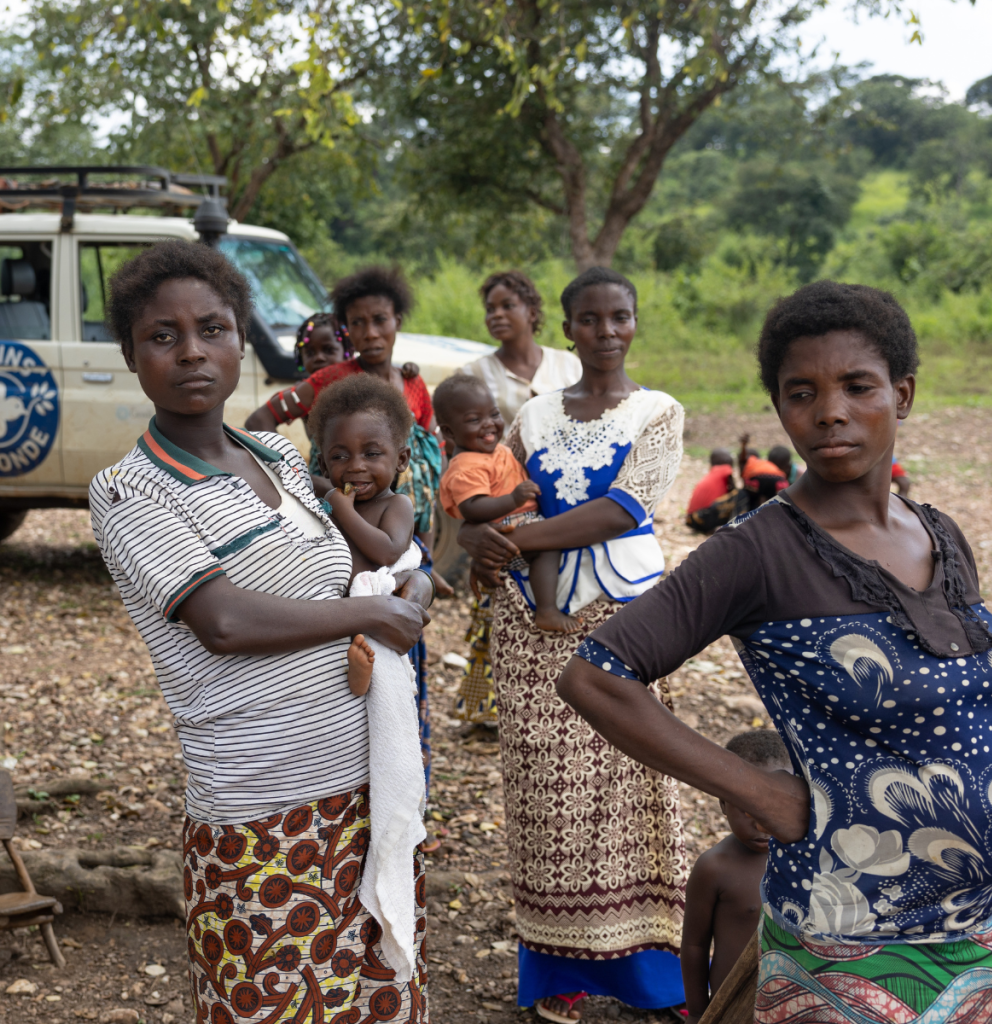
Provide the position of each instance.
(473, 473)
(760, 467)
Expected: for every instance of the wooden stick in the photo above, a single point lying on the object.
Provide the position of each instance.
(48, 934)
(733, 1001)
(22, 872)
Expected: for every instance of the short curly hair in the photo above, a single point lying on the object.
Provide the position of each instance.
(760, 747)
(589, 279)
(135, 283)
(388, 282)
(361, 392)
(521, 286)
(824, 306)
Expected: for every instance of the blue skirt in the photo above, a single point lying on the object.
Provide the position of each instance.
(650, 979)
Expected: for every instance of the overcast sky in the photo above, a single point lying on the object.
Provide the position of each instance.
(956, 50)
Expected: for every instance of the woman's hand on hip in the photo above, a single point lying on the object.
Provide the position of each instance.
(488, 547)
(783, 812)
(394, 622)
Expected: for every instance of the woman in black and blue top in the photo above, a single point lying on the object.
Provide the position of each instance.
(858, 617)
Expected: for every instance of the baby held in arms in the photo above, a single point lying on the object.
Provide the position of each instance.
(485, 483)
(361, 424)
(723, 896)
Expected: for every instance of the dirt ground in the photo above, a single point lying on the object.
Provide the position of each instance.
(78, 700)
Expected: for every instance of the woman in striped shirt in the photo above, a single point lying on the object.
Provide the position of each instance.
(236, 578)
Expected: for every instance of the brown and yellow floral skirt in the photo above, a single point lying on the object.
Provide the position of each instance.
(595, 839)
(275, 929)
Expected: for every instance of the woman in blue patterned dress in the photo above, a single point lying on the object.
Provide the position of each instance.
(858, 616)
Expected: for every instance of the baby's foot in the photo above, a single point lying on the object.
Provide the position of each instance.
(555, 621)
(361, 658)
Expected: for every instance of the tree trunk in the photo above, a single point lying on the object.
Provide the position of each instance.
(635, 180)
(261, 174)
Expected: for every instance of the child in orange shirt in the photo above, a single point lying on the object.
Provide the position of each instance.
(485, 483)
(762, 478)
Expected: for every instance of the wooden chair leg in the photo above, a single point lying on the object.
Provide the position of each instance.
(47, 931)
(48, 934)
(22, 872)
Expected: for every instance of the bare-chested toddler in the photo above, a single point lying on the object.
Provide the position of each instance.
(723, 895)
(361, 424)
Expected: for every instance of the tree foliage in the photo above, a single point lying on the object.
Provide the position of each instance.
(235, 88)
(574, 106)
(803, 205)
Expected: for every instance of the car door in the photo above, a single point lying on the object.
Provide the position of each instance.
(30, 372)
(105, 409)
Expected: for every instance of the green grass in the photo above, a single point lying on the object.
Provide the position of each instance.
(883, 195)
(696, 333)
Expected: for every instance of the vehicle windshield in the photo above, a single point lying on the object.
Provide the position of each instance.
(285, 289)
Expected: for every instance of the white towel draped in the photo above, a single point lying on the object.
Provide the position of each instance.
(397, 793)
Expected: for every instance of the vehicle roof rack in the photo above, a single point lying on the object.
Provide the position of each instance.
(155, 188)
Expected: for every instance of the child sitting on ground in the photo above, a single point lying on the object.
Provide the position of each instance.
(485, 483)
(714, 498)
(723, 897)
(360, 425)
(781, 456)
(762, 478)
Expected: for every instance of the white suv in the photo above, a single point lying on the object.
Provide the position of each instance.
(68, 405)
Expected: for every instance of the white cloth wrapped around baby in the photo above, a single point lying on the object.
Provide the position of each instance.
(397, 792)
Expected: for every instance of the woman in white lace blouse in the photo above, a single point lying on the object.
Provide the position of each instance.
(596, 850)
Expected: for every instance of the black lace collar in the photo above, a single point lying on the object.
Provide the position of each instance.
(872, 585)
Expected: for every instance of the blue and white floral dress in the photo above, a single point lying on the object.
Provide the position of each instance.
(595, 839)
(631, 455)
(883, 696)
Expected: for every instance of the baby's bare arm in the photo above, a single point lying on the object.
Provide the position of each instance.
(697, 934)
(484, 508)
(381, 530)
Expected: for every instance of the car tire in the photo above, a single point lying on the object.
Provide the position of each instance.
(11, 521)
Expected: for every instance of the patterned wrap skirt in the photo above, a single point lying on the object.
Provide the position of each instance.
(475, 702)
(897, 983)
(274, 927)
(596, 848)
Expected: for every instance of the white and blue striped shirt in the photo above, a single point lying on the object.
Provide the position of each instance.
(259, 733)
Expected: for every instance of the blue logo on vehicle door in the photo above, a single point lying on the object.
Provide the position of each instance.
(29, 409)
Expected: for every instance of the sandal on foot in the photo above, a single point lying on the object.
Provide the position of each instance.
(430, 845)
(543, 1011)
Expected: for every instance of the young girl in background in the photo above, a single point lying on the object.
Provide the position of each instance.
(320, 341)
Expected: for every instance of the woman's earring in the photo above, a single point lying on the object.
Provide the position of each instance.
(571, 348)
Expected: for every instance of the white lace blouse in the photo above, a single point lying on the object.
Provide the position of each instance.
(558, 369)
(631, 454)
